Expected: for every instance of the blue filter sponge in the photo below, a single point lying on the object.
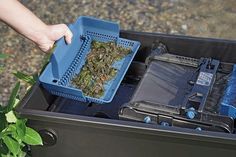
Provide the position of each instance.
(228, 102)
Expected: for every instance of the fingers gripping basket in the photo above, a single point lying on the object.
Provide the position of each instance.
(67, 60)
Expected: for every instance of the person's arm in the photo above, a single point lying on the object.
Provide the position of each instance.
(26, 23)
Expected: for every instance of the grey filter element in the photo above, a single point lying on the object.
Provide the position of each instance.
(180, 91)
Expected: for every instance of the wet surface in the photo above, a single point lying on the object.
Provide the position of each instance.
(215, 19)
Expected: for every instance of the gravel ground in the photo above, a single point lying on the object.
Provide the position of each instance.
(215, 18)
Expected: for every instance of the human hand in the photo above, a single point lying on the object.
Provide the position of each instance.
(32, 27)
(47, 37)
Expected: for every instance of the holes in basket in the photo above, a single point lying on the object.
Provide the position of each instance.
(82, 37)
(99, 35)
(74, 65)
(126, 43)
(54, 81)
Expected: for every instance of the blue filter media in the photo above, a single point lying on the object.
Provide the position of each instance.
(228, 102)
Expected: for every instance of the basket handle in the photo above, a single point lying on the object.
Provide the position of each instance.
(62, 55)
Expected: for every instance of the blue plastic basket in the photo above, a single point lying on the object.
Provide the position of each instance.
(67, 60)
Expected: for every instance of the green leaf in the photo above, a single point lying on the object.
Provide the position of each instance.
(7, 155)
(4, 133)
(21, 128)
(22, 154)
(17, 100)
(32, 137)
(12, 145)
(3, 121)
(11, 118)
(13, 132)
(35, 77)
(3, 56)
(3, 148)
(11, 102)
(11, 129)
(24, 77)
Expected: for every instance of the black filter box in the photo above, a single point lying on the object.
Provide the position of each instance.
(71, 128)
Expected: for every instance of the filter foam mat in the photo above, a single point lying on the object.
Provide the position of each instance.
(228, 102)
